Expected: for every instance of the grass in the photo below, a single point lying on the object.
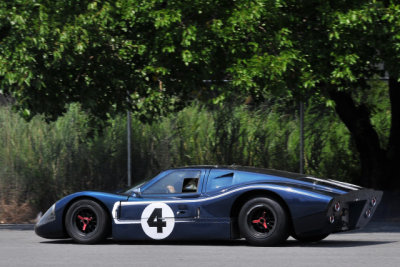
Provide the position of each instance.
(41, 162)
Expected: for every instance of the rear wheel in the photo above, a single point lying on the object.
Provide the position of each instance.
(310, 238)
(87, 222)
(263, 222)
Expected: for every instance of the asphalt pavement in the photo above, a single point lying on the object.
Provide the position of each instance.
(377, 245)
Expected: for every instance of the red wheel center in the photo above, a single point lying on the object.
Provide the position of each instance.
(262, 221)
(85, 221)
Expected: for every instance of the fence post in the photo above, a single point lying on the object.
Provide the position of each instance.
(301, 137)
(128, 136)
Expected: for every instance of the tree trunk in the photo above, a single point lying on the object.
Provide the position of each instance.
(393, 151)
(372, 156)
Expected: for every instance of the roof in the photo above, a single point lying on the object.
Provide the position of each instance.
(249, 169)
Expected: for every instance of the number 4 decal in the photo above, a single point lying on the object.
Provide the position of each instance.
(157, 220)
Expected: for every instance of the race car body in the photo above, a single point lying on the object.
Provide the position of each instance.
(214, 202)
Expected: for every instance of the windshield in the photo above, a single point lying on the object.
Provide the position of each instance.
(140, 184)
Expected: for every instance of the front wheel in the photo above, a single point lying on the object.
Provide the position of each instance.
(87, 222)
(263, 222)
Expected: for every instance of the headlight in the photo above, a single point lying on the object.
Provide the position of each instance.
(49, 216)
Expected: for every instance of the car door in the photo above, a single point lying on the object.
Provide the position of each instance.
(167, 207)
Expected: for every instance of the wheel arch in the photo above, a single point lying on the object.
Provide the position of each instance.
(72, 201)
(243, 198)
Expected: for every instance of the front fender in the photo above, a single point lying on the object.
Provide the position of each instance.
(55, 229)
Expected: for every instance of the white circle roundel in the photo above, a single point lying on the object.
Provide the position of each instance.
(157, 220)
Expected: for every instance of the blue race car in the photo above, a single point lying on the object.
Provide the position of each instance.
(214, 202)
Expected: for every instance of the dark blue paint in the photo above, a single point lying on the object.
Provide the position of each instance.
(207, 214)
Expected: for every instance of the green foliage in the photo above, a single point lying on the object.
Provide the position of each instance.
(158, 53)
(148, 56)
(43, 162)
(97, 53)
(154, 57)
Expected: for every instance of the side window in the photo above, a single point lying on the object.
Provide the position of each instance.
(180, 181)
(219, 179)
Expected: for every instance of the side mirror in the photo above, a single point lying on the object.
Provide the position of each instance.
(137, 192)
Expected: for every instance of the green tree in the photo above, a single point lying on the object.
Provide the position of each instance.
(159, 54)
(148, 56)
(333, 49)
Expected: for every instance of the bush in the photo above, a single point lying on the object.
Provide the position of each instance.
(41, 162)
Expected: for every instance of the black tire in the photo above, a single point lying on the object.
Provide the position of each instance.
(310, 238)
(263, 222)
(87, 222)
